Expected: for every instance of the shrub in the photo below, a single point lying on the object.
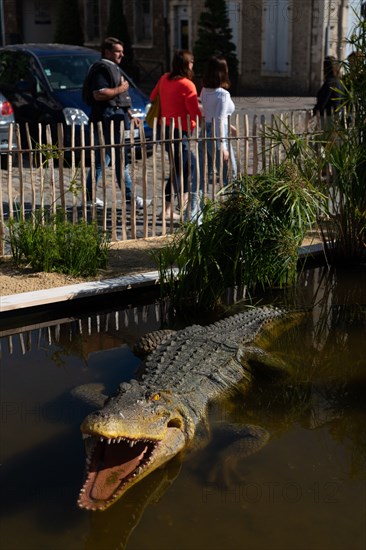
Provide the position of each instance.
(251, 236)
(333, 157)
(53, 244)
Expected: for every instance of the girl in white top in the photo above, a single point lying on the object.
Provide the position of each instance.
(217, 105)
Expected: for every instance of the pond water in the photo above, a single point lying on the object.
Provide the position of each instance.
(304, 489)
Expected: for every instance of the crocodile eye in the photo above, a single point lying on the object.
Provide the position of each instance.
(155, 397)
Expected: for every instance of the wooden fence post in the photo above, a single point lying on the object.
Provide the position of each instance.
(37, 182)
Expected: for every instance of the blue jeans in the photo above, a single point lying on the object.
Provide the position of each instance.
(174, 149)
(108, 156)
(211, 143)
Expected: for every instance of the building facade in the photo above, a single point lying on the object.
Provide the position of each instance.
(280, 44)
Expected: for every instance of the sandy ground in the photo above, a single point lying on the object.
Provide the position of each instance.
(125, 258)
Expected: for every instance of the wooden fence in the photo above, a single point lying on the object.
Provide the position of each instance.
(53, 176)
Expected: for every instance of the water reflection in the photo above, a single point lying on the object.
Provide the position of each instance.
(304, 489)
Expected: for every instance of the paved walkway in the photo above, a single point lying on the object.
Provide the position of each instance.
(260, 104)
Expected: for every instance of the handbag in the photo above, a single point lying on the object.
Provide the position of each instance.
(153, 112)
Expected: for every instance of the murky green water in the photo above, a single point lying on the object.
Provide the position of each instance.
(305, 489)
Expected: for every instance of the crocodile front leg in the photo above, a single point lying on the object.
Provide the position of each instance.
(237, 443)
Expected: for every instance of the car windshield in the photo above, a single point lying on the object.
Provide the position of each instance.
(67, 72)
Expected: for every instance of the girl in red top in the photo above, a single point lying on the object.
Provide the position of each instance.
(178, 99)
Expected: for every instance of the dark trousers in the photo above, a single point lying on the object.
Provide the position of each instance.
(117, 117)
(174, 149)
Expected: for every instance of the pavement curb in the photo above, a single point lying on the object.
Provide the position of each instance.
(65, 293)
(25, 300)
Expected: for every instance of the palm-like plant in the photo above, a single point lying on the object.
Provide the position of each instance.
(250, 237)
(338, 153)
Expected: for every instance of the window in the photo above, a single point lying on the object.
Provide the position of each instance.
(277, 18)
(235, 22)
(92, 21)
(143, 22)
(67, 72)
(6, 68)
(18, 67)
(42, 13)
(181, 30)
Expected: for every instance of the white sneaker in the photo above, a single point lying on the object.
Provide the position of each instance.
(140, 203)
(98, 203)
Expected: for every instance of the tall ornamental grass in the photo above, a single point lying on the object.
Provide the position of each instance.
(344, 227)
(250, 236)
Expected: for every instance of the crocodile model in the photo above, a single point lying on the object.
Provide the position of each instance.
(150, 421)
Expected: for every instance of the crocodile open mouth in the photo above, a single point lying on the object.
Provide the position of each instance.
(111, 465)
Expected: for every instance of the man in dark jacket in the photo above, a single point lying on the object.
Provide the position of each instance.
(330, 96)
(110, 100)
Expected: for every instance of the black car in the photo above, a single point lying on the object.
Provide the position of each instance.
(44, 84)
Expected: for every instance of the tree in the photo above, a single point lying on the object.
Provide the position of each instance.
(68, 23)
(117, 26)
(215, 38)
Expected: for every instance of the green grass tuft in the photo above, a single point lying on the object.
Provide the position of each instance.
(53, 244)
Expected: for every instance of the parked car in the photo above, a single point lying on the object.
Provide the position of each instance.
(6, 118)
(44, 84)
